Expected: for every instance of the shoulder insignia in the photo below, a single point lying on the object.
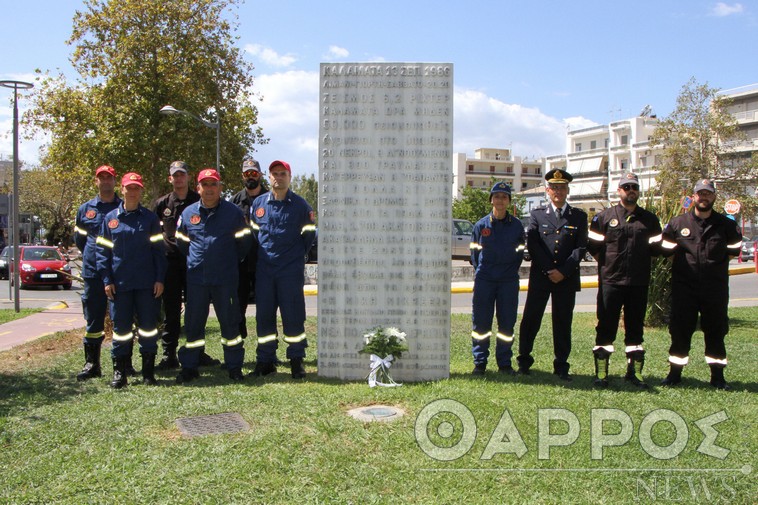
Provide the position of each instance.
(486, 232)
(195, 219)
(685, 232)
(166, 212)
(91, 213)
(113, 224)
(260, 212)
(613, 223)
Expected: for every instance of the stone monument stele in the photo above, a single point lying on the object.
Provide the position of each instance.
(384, 227)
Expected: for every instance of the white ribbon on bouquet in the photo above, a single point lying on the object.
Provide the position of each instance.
(378, 364)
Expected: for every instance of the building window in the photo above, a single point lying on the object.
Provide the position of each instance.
(577, 147)
(492, 169)
(509, 169)
(471, 168)
(624, 140)
(606, 142)
(497, 156)
(643, 161)
(470, 184)
(523, 186)
(624, 164)
(593, 144)
(524, 170)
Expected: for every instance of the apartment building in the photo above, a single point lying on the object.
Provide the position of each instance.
(477, 172)
(597, 156)
(744, 108)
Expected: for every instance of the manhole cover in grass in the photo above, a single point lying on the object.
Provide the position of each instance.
(229, 422)
(376, 413)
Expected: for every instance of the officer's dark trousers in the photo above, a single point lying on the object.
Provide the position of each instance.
(124, 307)
(173, 294)
(490, 296)
(285, 292)
(94, 305)
(610, 299)
(245, 293)
(562, 314)
(712, 304)
(224, 299)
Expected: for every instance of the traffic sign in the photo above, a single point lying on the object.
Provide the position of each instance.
(686, 202)
(732, 207)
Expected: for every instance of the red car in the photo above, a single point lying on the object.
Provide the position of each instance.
(42, 266)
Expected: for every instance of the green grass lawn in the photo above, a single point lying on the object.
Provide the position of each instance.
(69, 442)
(7, 315)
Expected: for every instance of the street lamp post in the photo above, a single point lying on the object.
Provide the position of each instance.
(15, 86)
(169, 110)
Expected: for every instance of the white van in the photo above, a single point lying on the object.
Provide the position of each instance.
(462, 239)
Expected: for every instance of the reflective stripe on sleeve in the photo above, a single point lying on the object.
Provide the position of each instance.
(295, 339)
(243, 232)
(736, 245)
(104, 242)
(181, 236)
(307, 228)
(597, 237)
(676, 360)
(477, 336)
(196, 343)
(158, 237)
(474, 246)
(520, 248)
(232, 342)
(266, 339)
(255, 226)
(653, 240)
(80, 231)
(668, 245)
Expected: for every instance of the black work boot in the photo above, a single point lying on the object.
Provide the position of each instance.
(479, 369)
(634, 366)
(207, 360)
(148, 369)
(262, 369)
(169, 360)
(602, 361)
(297, 368)
(119, 372)
(130, 371)
(674, 377)
(717, 378)
(236, 374)
(187, 375)
(92, 362)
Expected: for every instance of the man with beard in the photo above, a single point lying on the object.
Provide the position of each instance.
(253, 179)
(623, 238)
(702, 243)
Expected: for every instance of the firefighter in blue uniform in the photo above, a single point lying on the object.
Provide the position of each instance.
(623, 239)
(702, 242)
(557, 241)
(132, 262)
(89, 219)
(215, 237)
(169, 208)
(283, 223)
(497, 249)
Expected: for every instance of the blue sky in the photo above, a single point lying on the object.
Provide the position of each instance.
(524, 70)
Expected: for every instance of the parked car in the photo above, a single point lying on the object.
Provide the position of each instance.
(462, 239)
(42, 266)
(748, 249)
(4, 261)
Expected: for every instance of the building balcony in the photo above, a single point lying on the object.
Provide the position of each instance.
(591, 153)
(598, 129)
(745, 117)
(619, 125)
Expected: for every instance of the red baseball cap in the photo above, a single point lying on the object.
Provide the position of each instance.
(208, 173)
(279, 162)
(132, 178)
(105, 169)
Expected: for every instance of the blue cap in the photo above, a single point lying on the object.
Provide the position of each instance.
(501, 187)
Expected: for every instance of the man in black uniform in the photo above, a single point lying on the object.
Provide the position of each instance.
(622, 239)
(254, 187)
(557, 241)
(702, 243)
(168, 208)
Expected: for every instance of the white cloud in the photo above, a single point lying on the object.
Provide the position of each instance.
(721, 9)
(337, 52)
(269, 56)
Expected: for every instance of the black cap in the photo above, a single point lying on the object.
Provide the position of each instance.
(705, 184)
(558, 176)
(178, 166)
(250, 164)
(629, 178)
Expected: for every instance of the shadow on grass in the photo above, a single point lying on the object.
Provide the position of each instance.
(21, 391)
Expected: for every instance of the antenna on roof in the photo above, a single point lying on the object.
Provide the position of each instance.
(646, 111)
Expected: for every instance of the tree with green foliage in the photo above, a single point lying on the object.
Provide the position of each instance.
(307, 187)
(47, 195)
(697, 142)
(474, 203)
(132, 58)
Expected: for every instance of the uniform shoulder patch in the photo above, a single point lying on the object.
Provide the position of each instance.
(113, 224)
(260, 212)
(166, 212)
(195, 219)
(685, 232)
(90, 214)
(613, 223)
(486, 232)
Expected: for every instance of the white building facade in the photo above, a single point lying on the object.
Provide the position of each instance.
(497, 163)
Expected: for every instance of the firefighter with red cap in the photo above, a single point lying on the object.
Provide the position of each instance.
(89, 219)
(284, 225)
(215, 237)
(702, 242)
(132, 263)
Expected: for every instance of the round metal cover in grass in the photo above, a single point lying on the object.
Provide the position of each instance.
(377, 413)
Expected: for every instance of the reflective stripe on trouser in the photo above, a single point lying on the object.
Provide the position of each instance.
(710, 301)
(94, 305)
(285, 292)
(139, 304)
(226, 307)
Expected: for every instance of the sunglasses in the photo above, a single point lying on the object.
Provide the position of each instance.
(628, 187)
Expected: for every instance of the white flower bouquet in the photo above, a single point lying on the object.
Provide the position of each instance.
(384, 345)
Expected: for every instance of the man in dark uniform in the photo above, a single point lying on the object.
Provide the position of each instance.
(89, 219)
(557, 240)
(702, 242)
(253, 179)
(215, 237)
(623, 238)
(168, 208)
(497, 249)
(283, 223)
